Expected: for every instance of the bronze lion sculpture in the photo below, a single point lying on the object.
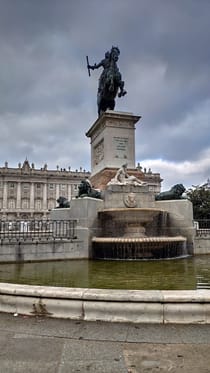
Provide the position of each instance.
(174, 193)
(63, 202)
(86, 190)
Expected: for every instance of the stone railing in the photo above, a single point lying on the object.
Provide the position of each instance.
(202, 227)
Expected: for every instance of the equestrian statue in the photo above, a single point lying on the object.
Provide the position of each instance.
(110, 81)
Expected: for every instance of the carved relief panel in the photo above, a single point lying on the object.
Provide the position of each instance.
(98, 152)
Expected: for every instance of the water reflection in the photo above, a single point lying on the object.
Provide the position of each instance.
(180, 274)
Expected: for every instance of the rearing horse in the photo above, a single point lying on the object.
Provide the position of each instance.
(110, 81)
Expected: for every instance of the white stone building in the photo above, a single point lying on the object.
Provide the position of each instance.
(29, 193)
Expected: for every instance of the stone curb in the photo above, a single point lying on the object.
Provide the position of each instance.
(137, 306)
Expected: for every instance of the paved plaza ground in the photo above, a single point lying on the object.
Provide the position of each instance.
(41, 345)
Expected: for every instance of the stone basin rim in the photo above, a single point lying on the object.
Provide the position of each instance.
(153, 307)
(139, 239)
(201, 295)
(141, 209)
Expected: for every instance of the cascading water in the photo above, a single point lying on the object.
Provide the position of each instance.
(136, 233)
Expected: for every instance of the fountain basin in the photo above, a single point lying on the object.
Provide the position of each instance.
(130, 214)
(135, 233)
(126, 222)
(138, 248)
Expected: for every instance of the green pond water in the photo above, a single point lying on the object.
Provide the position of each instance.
(178, 274)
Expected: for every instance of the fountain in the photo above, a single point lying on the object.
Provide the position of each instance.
(132, 224)
(124, 236)
(127, 222)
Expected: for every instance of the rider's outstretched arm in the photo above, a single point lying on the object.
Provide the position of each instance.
(95, 66)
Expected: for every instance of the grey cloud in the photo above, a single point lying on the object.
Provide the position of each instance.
(47, 100)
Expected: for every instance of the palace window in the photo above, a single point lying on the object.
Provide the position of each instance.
(11, 204)
(38, 204)
(25, 203)
(51, 204)
(11, 185)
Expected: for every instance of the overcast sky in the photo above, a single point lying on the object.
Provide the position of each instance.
(48, 101)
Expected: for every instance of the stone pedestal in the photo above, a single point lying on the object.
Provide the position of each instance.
(122, 196)
(112, 139)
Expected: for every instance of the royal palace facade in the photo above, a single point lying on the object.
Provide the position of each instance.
(30, 193)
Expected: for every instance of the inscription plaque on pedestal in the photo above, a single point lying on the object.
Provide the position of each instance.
(120, 147)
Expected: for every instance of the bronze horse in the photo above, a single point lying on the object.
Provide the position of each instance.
(110, 81)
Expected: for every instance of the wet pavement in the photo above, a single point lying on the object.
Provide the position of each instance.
(35, 344)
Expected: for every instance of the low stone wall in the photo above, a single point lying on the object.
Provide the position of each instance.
(186, 307)
(42, 250)
(66, 249)
(202, 245)
(85, 212)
